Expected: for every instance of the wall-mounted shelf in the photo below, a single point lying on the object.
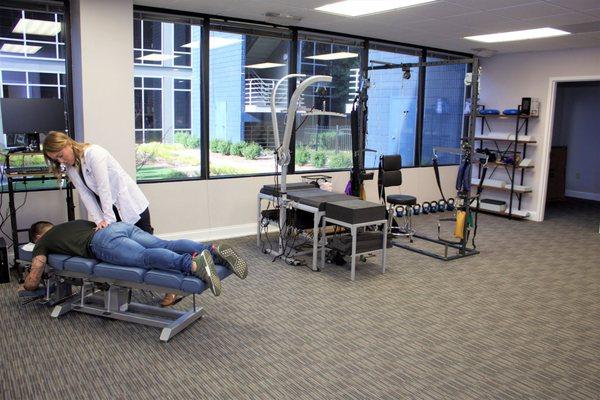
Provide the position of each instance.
(502, 116)
(507, 188)
(506, 165)
(516, 214)
(482, 137)
(512, 146)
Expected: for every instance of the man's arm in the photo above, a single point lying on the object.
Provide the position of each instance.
(35, 274)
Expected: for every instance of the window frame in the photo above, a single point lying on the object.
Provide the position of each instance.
(143, 88)
(296, 34)
(64, 9)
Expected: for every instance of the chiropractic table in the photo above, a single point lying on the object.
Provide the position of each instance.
(106, 291)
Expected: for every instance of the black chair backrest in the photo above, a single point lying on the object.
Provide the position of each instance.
(390, 170)
(389, 173)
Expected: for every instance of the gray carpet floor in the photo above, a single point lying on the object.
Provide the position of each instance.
(519, 321)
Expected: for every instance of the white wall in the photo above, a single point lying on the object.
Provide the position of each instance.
(228, 207)
(576, 127)
(102, 38)
(506, 78)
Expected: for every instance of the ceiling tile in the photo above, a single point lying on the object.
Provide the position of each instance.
(527, 11)
(483, 5)
(560, 20)
(577, 5)
(484, 20)
(442, 24)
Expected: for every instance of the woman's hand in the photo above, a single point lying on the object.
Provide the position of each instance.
(101, 225)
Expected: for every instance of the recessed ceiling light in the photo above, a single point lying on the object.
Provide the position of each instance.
(37, 27)
(334, 56)
(265, 65)
(355, 8)
(156, 57)
(518, 35)
(19, 48)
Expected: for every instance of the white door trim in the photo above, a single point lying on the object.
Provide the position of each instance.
(547, 146)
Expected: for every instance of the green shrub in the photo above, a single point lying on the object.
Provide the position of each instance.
(303, 156)
(236, 148)
(193, 142)
(340, 160)
(215, 144)
(224, 147)
(181, 137)
(252, 151)
(187, 140)
(326, 140)
(319, 158)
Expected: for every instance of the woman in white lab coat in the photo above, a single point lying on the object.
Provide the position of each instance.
(107, 191)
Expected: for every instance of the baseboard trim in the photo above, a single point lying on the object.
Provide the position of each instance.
(210, 234)
(582, 195)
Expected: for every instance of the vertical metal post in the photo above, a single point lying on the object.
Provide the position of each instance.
(292, 69)
(13, 221)
(69, 71)
(70, 203)
(471, 141)
(514, 166)
(420, 109)
(204, 100)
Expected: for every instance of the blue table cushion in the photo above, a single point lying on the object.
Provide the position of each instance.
(128, 274)
(511, 111)
(158, 277)
(57, 261)
(25, 255)
(80, 265)
(192, 284)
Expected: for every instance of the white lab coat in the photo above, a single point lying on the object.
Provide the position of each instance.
(105, 176)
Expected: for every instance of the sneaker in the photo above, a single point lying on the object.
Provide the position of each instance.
(232, 260)
(207, 272)
(170, 299)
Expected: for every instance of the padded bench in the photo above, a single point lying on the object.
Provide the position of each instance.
(106, 291)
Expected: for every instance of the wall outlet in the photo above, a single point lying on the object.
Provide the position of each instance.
(577, 175)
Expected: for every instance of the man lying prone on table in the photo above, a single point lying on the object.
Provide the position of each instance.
(124, 244)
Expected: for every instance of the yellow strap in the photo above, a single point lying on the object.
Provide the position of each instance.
(459, 228)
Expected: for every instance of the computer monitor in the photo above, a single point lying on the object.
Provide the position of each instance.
(24, 120)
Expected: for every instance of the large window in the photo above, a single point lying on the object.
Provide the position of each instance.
(244, 69)
(32, 66)
(443, 117)
(167, 99)
(325, 142)
(410, 113)
(392, 117)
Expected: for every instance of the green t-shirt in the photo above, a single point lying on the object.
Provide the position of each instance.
(72, 238)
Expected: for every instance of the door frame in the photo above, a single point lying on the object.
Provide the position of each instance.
(549, 123)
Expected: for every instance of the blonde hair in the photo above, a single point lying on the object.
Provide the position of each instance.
(55, 142)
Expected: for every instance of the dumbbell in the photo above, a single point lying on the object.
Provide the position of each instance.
(450, 204)
(441, 205)
(416, 209)
(426, 207)
(433, 208)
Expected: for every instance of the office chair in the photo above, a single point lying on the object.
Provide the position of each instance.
(398, 205)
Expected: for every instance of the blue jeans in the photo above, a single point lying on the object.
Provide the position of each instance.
(125, 244)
